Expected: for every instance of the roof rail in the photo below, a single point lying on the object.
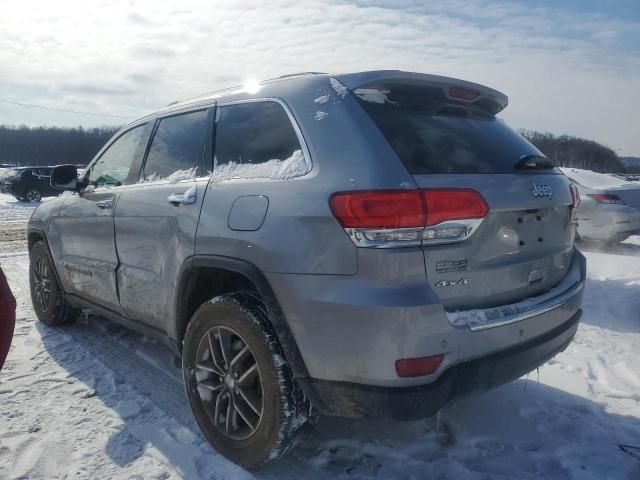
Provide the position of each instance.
(299, 74)
(236, 87)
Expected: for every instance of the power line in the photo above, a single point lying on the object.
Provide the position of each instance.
(28, 105)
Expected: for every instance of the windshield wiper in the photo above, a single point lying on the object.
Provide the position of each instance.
(534, 162)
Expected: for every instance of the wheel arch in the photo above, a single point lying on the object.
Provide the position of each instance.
(244, 274)
(35, 235)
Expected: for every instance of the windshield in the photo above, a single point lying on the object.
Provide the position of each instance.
(433, 134)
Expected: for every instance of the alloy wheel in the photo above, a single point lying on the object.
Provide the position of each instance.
(33, 195)
(229, 383)
(42, 283)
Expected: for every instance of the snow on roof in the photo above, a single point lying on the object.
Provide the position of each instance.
(592, 179)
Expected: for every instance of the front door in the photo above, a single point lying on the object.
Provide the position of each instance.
(87, 240)
(156, 219)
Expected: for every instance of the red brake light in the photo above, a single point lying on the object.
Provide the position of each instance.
(463, 94)
(403, 218)
(406, 208)
(414, 367)
(453, 204)
(605, 197)
(379, 209)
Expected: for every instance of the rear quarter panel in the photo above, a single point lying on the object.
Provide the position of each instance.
(299, 233)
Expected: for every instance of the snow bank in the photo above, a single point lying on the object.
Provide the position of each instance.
(593, 179)
(294, 166)
(13, 209)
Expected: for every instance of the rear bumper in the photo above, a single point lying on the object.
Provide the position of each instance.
(405, 403)
(352, 329)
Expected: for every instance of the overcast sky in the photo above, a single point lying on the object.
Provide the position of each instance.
(568, 67)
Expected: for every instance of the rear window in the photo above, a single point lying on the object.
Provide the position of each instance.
(433, 134)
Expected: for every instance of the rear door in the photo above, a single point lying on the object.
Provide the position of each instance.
(523, 244)
(87, 241)
(156, 219)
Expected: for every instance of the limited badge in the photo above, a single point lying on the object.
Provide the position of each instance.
(451, 266)
(452, 283)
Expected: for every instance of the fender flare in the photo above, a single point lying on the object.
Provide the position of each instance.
(42, 233)
(276, 316)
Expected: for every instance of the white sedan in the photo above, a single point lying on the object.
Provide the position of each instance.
(609, 209)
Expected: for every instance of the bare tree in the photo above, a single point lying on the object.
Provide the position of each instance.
(569, 151)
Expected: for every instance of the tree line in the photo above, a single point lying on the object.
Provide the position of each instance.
(22, 146)
(36, 146)
(568, 151)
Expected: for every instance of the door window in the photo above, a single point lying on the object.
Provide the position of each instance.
(112, 168)
(177, 148)
(257, 140)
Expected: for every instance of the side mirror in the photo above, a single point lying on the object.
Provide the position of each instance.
(65, 177)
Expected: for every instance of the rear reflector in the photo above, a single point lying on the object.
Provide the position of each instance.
(575, 196)
(415, 367)
(392, 218)
(605, 198)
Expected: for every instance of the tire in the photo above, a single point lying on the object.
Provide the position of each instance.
(32, 194)
(46, 295)
(260, 415)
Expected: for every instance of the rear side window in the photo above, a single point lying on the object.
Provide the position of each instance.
(177, 148)
(257, 140)
(433, 134)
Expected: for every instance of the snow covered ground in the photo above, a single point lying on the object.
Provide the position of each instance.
(95, 400)
(595, 180)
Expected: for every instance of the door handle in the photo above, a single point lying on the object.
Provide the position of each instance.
(185, 198)
(105, 203)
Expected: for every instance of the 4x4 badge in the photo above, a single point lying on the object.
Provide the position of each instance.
(541, 190)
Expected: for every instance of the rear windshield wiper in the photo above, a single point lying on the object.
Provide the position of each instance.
(534, 162)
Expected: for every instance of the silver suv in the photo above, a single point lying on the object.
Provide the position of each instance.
(374, 244)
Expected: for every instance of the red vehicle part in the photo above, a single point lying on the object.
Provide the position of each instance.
(7, 317)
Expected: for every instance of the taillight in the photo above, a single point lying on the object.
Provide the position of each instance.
(453, 204)
(393, 218)
(575, 196)
(605, 198)
(379, 209)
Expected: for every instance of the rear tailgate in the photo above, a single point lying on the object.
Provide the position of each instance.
(447, 136)
(522, 247)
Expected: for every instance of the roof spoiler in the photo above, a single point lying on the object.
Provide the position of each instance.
(460, 90)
